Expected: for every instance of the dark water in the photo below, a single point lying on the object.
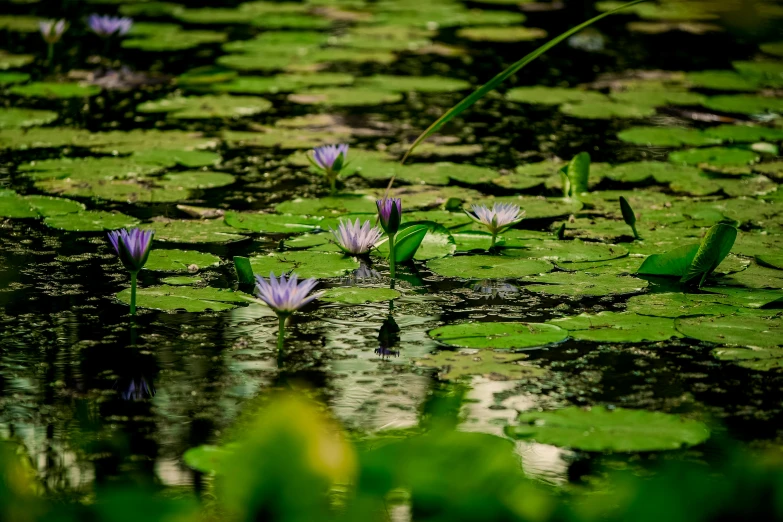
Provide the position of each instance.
(95, 398)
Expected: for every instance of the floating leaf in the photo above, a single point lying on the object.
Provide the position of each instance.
(54, 90)
(199, 107)
(171, 298)
(488, 267)
(744, 104)
(677, 304)
(713, 249)
(271, 223)
(194, 231)
(91, 221)
(620, 327)
(603, 429)
(455, 365)
(666, 136)
(714, 156)
(553, 95)
(759, 359)
(760, 330)
(674, 263)
(501, 34)
(14, 117)
(305, 264)
(345, 97)
(413, 83)
(499, 336)
(579, 284)
(358, 295)
(606, 110)
(172, 260)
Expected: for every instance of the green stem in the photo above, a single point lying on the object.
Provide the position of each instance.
(133, 293)
(332, 184)
(281, 332)
(494, 238)
(392, 258)
(635, 233)
(50, 57)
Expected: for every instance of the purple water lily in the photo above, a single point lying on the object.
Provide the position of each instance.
(52, 30)
(390, 212)
(286, 296)
(105, 26)
(498, 218)
(133, 246)
(355, 238)
(330, 159)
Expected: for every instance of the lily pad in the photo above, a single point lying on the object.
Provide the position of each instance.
(11, 61)
(721, 81)
(744, 133)
(169, 38)
(282, 83)
(194, 231)
(271, 223)
(615, 430)
(666, 136)
(358, 295)
(759, 359)
(606, 110)
(172, 298)
(498, 366)
(618, 327)
(305, 264)
(761, 330)
(15, 117)
(54, 90)
(200, 107)
(172, 260)
(578, 284)
(501, 34)
(329, 206)
(575, 251)
(553, 95)
(488, 267)
(181, 280)
(13, 205)
(346, 97)
(744, 104)
(413, 83)
(499, 336)
(90, 221)
(714, 156)
(677, 304)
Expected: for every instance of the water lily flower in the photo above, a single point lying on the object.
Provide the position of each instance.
(353, 238)
(52, 30)
(137, 390)
(330, 159)
(390, 214)
(498, 218)
(285, 296)
(133, 248)
(105, 26)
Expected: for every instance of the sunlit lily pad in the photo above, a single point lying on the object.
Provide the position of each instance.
(658, 97)
(194, 231)
(501, 34)
(759, 359)
(579, 284)
(54, 90)
(575, 251)
(488, 267)
(168, 38)
(762, 330)
(358, 295)
(744, 133)
(618, 327)
(282, 83)
(173, 298)
(348, 97)
(181, 280)
(21, 117)
(553, 95)
(329, 206)
(90, 221)
(666, 136)
(271, 223)
(721, 81)
(615, 430)
(283, 138)
(766, 73)
(606, 110)
(173, 260)
(676, 304)
(714, 156)
(11, 61)
(498, 336)
(413, 83)
(744, 104)
(305, 264)
(198, 107)
(496, 365)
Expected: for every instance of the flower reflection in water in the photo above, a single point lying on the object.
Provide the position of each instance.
(137, 389)
(490, 289)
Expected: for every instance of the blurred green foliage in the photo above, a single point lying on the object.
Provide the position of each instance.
(292, 463)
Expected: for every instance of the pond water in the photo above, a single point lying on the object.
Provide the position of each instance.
(198, 129)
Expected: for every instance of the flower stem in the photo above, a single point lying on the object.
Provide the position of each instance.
(494, 238)
(281, 332)
(50, 57)
(635, 233)
(392, 258)
(332, 184)
(133, 293)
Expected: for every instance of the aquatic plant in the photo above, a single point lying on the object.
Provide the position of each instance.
(330, 159)
(52, 31)
(106, 26)
(138, 389)
(628, 216)
(500, 217)
(133, 248)
(285, 296)
(353, 238)
(390, 214)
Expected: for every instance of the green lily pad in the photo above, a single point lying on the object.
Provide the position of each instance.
(721, 81)
(19, 24)
(345, 97)
(744, 133)
(413, 83)
(199, 107)
(578, 284)
(714, 156)
(169, 38)
(499, 336)
(744, 104)
(759, 359)
(54, 90)
(90, 221)
(291, 21)
(179, 260)
(281, 83)
(606, 110)
(575, 251)
(553, 95)
(305, 264)
(749, 297)
(453, 366)
(172, 298)
(10, 78)
(13, 205)
(658, 97)
(283, 138)
(358, 295)
(488, 267)
(12, 61)
(618, 327)
(194, 231)
(775, 48)
(181, 280)
(185, 158)
(771, 260)
(761, 330)
(666, 137)
(501, 34)
(676, 304)
(329, 206)
(615, 430)
(19, 117)
(766, 73)
(271, 223)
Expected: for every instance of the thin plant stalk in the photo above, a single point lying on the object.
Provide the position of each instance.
(332, 184)
(50, 56)
(281, 332)
(494, 238)
(392, 260)
(133, 293)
